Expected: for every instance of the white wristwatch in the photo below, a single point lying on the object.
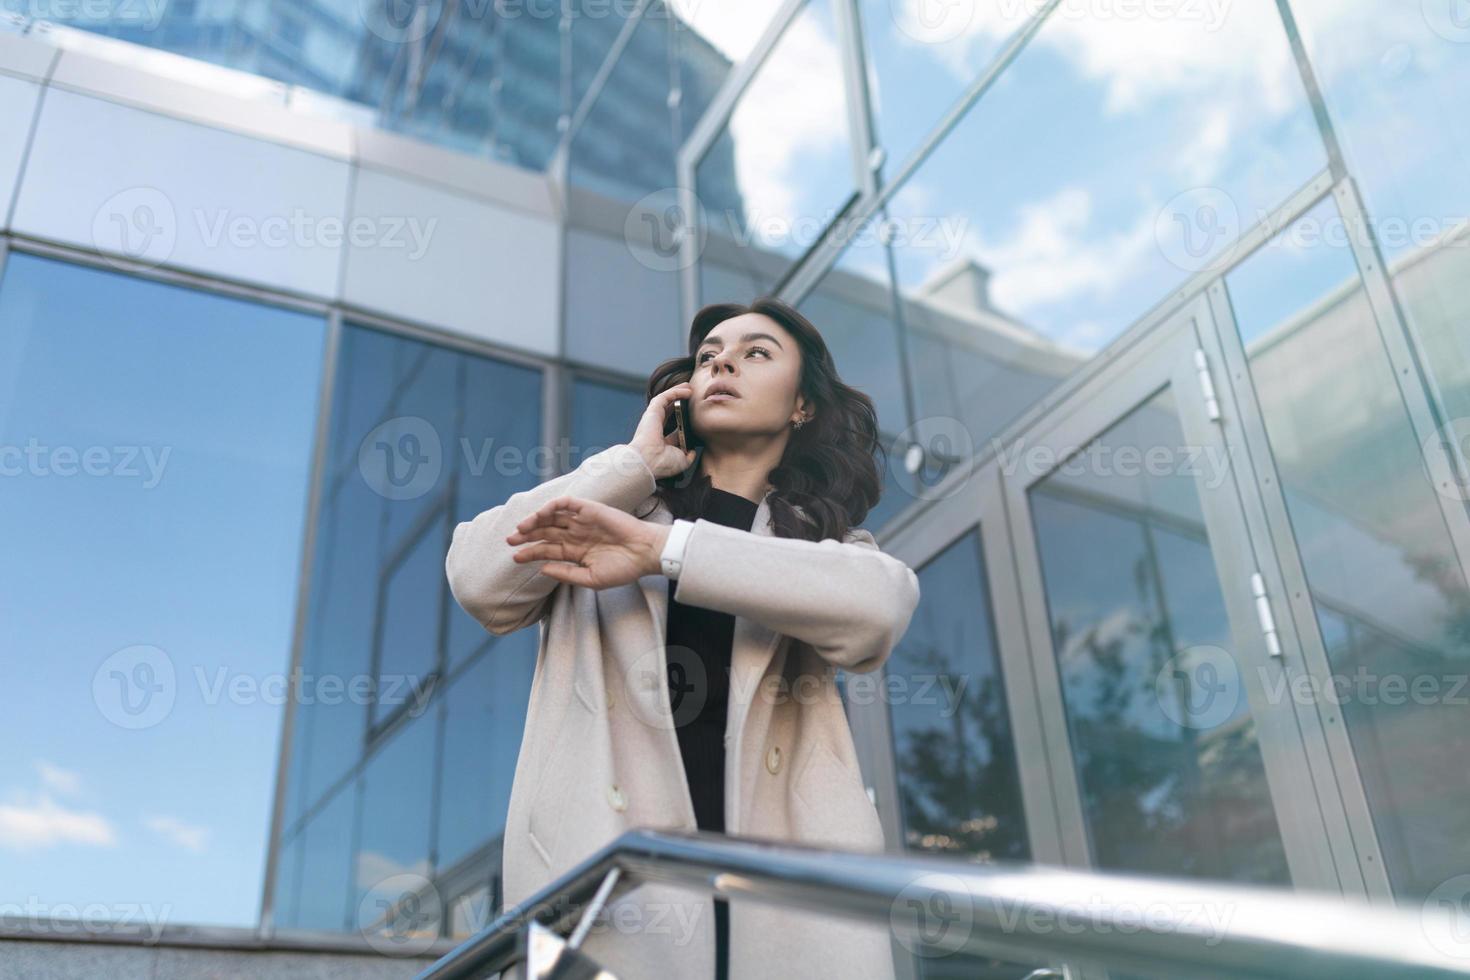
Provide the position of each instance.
(672, 558)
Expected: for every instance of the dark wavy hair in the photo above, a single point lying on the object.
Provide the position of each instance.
(829, 477)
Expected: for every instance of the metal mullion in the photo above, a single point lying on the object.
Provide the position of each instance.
(1416, 385)
(698, 143)
(1017, 657)
(1336, 163)
(859, 119)
(599, 80)
(1008, 54)
(1325, 737)
(720, 107)
(1314, 827)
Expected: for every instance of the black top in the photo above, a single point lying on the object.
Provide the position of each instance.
(699, 642)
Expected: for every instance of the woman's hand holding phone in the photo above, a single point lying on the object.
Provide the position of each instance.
(662, 452)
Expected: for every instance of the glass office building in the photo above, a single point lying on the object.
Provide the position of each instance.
(1165, 318)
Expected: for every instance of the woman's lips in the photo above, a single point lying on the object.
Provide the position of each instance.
(720, 396)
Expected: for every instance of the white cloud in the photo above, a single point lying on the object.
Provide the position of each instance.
(61, 780)
(733, 28)
(42, 822)
(793, 110)
(1055, 253)
(374, 868)
(186, 836)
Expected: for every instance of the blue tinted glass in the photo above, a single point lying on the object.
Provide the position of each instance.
(958, 784)
(156, 443)
(408, 643)
(1170, 770)
(393, 841)
(1388, 587)
(602, 416)
(485, 715)
(326, 866)
(422, 437)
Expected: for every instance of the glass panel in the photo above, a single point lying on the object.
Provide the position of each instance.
(288, 875)
(1396, 79)
(852, 306)
(1115, 158)
(921, 58)
(393, 848)
(482, 78)
(959, 789)
(730, 30)
(326, 866)
(157, 445)
(485, 714)
(625, 146)
(499, 455)
(602, 415)
(408, 644)
(958, 785)
(781, 168)
(1171, 776)
(1390, 595)
(338, 654)
(472, 427)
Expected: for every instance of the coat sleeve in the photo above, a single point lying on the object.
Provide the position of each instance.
(504, 596)
(848, 600)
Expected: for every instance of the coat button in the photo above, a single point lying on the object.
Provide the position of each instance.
(616, 799)
(773, 759)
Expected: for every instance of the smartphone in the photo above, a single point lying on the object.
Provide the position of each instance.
(678, 423)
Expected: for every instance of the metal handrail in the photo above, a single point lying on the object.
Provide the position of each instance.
(1032, 914)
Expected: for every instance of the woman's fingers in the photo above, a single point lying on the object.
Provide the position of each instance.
(575, 574)
(555, 528)
(559, 512)
(543, 551)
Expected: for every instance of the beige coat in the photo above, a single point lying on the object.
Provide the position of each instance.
(600, 752)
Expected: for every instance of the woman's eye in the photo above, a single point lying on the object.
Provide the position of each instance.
(708, 354)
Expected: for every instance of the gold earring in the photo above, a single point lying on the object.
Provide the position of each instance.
(799, 422)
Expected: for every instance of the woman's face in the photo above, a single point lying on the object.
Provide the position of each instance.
(760, 361)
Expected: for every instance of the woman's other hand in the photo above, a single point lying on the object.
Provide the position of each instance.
(589, 543)
(662, 452)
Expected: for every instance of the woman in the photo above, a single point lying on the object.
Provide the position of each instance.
(694, 607)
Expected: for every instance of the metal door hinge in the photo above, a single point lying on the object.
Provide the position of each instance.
(1263, 614)
(1206, 385)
